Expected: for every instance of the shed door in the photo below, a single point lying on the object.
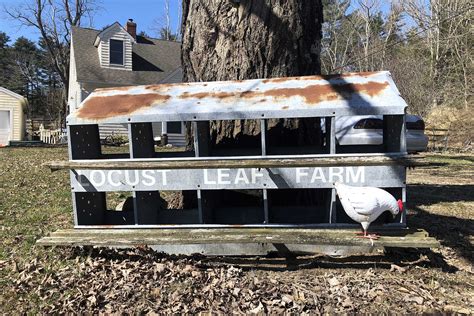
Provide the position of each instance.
(4, 127)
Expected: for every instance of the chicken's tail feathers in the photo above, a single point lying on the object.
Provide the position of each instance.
(343, 193)
(341, 188)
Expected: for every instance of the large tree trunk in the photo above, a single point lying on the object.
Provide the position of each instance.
(253, 39)
(248, 39)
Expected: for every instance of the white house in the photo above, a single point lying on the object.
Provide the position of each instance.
(117, 56)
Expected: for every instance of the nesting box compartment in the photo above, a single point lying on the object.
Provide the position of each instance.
(272, 180)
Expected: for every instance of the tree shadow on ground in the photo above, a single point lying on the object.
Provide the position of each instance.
(451, 231)
(401, 258)
(394, 258)
(430, 194)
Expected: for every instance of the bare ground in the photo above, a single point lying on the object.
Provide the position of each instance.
(34, 202)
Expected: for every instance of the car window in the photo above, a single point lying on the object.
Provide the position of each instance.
(369, 123)
(418, 125)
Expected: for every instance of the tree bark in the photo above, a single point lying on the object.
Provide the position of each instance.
(248, 39)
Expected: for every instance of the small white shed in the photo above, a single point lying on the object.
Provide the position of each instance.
(12, 118)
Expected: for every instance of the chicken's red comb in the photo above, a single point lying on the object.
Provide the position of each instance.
(400, 205)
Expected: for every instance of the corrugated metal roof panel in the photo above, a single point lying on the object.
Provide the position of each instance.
(309, 96)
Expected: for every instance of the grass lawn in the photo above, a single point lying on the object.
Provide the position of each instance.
(35, 202)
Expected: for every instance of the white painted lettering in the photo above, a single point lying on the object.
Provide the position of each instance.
(101, 175)
(223, 174)
(357, 175)
(336, 172)
(206, 177)
(111, 179)
(149, 179)
(255, 173)
(300, 172)
(136, 177)
(318, 175)
(164, 176)
(241, 176)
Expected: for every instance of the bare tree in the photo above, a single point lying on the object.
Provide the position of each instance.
(390, 28)
(54, 19)
(339, 36)
(359, 29)
(178, 25)
(448, 35)
(163, 24)
(366, 12)
(167, 20)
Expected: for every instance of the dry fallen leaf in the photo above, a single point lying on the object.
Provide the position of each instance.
(417, 299)
(160, 267)
(257, 310)
(333, 282)
(394, 267)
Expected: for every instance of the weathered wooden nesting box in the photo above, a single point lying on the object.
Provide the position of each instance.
(217, 178)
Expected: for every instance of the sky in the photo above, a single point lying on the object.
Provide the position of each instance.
(144, 12)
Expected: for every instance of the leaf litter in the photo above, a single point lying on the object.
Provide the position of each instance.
(34, 202)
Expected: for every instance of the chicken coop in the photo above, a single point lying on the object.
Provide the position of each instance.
(258, 196)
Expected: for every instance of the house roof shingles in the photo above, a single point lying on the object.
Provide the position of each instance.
(153, 60)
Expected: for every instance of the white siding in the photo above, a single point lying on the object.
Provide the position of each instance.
(9, 103)
(79, 91)
(113, 129)
(117, 33)
(177, 140)
(74, 89)
(105, 130)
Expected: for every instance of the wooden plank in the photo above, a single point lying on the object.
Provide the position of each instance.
(135, 237)
(175, 229)
(342, 161)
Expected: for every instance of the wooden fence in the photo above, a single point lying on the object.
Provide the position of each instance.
(438, 139)
(33, 124)
(49, 136)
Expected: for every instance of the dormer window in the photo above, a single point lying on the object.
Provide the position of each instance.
(115, 47)
(116, 52)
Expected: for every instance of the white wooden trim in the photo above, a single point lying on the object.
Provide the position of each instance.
(11, 124)
(10, 134)
(11, 93)
(164, 128)
(105, 31)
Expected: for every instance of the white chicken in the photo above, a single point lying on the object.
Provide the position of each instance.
(365, 204)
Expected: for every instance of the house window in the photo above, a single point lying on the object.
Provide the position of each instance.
(173, 127)
(116, 52)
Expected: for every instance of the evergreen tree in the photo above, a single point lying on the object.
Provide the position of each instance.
(5, 61)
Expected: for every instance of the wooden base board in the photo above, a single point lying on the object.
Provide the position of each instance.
(241, 241)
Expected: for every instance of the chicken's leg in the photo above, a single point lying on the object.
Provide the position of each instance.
(364, 234)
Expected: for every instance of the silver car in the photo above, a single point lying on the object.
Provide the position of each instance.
(368, 130)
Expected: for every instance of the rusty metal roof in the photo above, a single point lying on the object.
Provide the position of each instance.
(309, 96)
